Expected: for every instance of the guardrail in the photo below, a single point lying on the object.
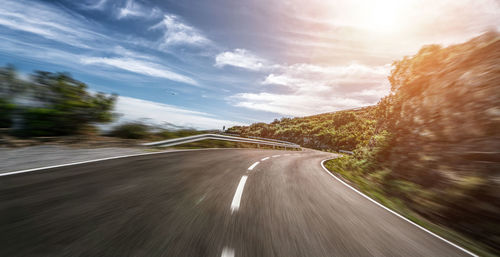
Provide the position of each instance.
(190, 139)
(346, 152)
(261, 138)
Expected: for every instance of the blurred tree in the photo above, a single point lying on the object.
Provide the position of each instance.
(53, 104)
(10, 84)
(6, 112)
(66, 107)
(10, 87)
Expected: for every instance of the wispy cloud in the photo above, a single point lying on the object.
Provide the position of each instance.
(295, 105)
(133, 109)
(315, 89)
(241, 58)
(304, 75)
(305, 88)
(139, 66)
(51, 22)
(69, 61)
(134, 9)
(46, 21)
(175, 32)
(95, 5)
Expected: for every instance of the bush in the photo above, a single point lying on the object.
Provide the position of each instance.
(6, 112)
(45, 122)
(131, 130)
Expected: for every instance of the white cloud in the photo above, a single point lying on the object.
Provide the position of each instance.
(316, 89)
(41, 55)
(302, 75)
(122, 51)
(240, 58)
(46, 21)
(134, 109)
(139, 66)
(176, 32)
(95, 5)
(133, 9)
(295, 105)
(284, 80)
(64, 26)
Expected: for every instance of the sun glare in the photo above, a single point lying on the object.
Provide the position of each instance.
(381, 16)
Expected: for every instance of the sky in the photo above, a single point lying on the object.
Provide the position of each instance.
(208, 64)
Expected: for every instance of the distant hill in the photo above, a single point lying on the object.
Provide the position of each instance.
(342, 130)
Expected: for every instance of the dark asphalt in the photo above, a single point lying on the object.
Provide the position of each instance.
(178, 204)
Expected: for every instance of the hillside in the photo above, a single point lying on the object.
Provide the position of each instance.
(344, 130)
(431, 149)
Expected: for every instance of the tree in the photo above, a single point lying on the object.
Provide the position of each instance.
(10, 87)
(53, 104)
(6, 112)
(65, 106)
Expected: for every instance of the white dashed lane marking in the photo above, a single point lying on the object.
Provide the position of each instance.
(253, 165)
(227, 252)
(235, 205)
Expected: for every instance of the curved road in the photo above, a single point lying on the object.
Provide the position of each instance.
(200, 203)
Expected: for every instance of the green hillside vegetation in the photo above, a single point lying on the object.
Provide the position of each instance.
(431, 149)
(346, 130)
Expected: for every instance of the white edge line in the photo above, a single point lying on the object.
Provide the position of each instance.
(395, 213)
(104, 159)
(227, 252)
(235, 204)
(274, 156)
(263, 159)
(253, 166)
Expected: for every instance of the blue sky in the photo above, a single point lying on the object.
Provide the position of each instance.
(206, 64)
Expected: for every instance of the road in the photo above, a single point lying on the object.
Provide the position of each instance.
(201, 203)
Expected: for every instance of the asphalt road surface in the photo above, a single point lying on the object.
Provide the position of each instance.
(201, 203)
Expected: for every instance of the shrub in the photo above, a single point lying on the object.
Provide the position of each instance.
(6, 112)
(132, 130)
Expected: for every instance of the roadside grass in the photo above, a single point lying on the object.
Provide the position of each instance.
(373, 185)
